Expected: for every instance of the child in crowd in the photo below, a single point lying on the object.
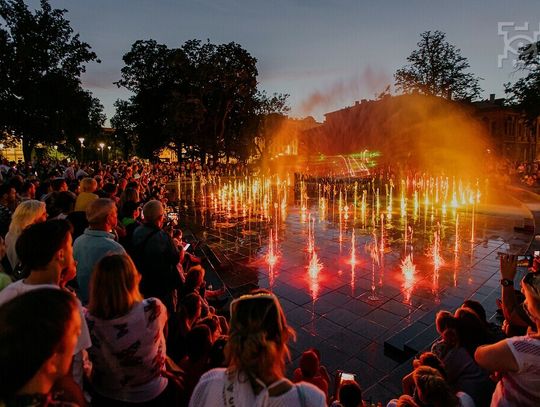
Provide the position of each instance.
(425, 359)
(311, 371)
(349, 395)
(439, 348)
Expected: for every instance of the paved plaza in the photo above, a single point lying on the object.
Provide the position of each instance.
(366, 318)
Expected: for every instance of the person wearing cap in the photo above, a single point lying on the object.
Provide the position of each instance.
(96, 242)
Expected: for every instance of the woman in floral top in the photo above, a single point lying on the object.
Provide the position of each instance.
(128, 345)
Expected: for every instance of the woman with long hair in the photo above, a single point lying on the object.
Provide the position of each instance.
(255, 354)
(27, 213)
(128, 195)
(128, 345)
(433, 390)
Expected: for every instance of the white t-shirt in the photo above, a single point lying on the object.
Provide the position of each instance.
(521, 388)
(210, 392)
(128, 353)
(464, 400)
(19, 287)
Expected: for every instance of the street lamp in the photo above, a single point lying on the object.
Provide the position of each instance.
(56, 152)
(109, 153)
(101, 145)
(81, 140)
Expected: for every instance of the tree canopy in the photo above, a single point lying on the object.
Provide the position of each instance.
(201, 97)
(437, 68)
(525, 93)
(41, 97)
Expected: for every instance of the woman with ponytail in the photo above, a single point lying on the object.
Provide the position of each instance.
(255, 355)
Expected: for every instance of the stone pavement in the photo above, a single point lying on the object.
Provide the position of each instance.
(359, 315)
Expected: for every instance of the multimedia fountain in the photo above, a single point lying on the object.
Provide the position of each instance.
(361, 260)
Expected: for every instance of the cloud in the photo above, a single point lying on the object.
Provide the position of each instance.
(367, 82)
(101, 78)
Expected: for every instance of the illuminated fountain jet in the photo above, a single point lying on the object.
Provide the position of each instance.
(408, 269)
(373, 249)
(272, 256)
(436, 256)
(314, 267)
(353, 261)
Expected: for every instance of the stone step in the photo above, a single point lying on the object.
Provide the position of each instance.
(394, 347)
(422, 342)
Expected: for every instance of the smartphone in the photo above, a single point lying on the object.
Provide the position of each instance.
(347, 376)
(524, 261)
(536, 253)
(186, 246)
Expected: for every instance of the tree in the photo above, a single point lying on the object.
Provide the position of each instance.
(149, 75)
(271, 115)
(437, 68)
(229, 75)
(201, 95)
(41, 61)
(525, 93)
(124, 131)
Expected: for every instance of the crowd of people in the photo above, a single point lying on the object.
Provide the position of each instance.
(101, 304)
(476, 363)
(528, 173)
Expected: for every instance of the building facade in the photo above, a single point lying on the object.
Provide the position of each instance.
(511, 136)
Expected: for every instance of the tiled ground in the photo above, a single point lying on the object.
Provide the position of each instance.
(347, 311)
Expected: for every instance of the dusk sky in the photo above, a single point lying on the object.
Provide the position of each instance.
(325, 53)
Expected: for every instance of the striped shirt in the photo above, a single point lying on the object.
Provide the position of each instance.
(521, 388)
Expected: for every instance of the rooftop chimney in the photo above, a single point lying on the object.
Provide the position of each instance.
(492, 97)
(356, 102)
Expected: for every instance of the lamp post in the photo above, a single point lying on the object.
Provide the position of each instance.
(101, 145)
(56, 152)
(109, 153)
(81, 140)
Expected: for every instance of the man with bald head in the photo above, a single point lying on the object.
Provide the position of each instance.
(96, 242)
(156, 256)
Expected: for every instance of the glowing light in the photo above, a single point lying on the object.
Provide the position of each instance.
(311, 237)
(408, 270)
(416, 204)
(353, 261)
(353, 249)
(403, 204)
(456, 243)
(314, 267)
(271, 256)
(373, 250)
(438, 260)
(472, 224)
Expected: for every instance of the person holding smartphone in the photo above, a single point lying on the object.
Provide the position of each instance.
(349, 393)
(512, 309)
